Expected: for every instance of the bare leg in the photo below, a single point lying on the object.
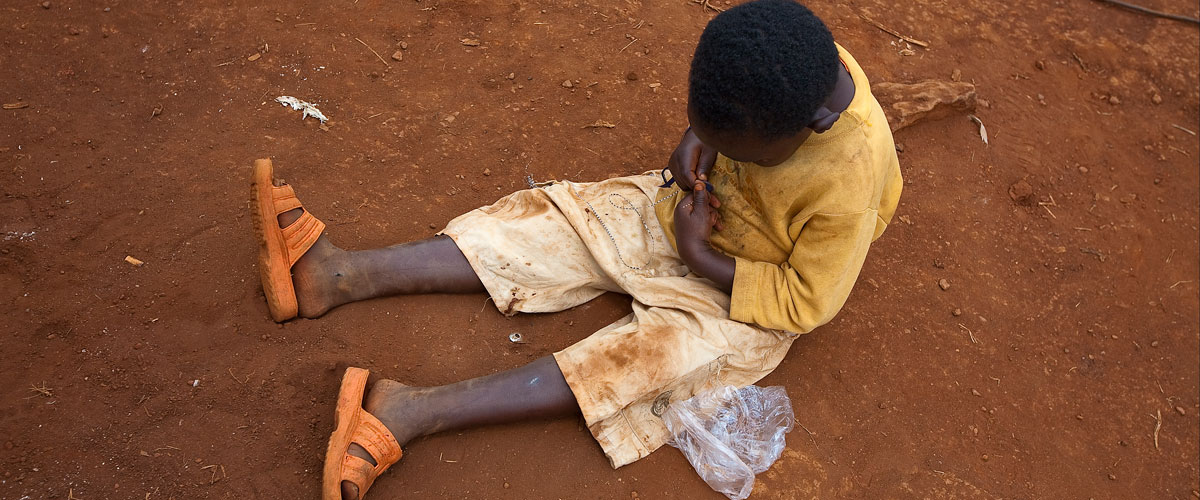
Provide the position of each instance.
(536, 390)
(327, 276)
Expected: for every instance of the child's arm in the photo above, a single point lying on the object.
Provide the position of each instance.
(695, 218)
(808, 289)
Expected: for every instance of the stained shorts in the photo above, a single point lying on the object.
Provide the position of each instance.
(545, 250)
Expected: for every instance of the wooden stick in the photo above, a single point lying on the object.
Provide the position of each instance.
(1138, 8)
(381, 59)
(893, 32)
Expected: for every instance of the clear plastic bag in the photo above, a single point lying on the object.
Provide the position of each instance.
(731, 434)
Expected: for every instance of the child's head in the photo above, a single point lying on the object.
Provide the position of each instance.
(761, 72)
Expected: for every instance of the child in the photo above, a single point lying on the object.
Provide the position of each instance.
(803, 177)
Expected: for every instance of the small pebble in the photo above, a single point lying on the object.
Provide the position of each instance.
(631, 76)
(1040, 65)
(956, 312)
(976, 393)
(506, 485)
(1078, 417)
(1156, 99)
(1083, 169)
(1114, 100)
(1112, 477)
(45, 5)
(985, 458)
(1180, 410)
(567, 84)
(511, 76)
(943, 284)
(403, 45)
(1154, 344)
(398, 56)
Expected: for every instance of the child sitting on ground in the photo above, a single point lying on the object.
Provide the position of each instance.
(803, 177)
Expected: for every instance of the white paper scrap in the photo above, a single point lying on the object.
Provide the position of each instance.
(308, 108)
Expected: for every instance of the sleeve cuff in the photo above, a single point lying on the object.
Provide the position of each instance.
(745, 289)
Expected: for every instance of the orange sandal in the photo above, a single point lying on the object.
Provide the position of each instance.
(352, 424)
(279, 249)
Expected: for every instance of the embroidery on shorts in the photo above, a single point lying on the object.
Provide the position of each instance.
(661, 403)
(628, 206)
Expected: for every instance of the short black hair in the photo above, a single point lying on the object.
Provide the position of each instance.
(763, 67)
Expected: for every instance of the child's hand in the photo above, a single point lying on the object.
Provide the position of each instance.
(691, 160)
(696, 216)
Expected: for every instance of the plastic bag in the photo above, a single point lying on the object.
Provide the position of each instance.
(731, 434)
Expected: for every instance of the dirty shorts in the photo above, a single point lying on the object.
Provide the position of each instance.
(543, 250)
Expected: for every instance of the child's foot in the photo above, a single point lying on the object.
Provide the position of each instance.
(393, 404)
(320, 277)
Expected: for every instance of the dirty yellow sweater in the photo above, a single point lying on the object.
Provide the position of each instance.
(800, 231)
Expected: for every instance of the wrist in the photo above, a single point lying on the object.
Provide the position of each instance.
(690, 248)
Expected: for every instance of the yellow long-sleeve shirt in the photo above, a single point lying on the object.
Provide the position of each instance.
(799, 231)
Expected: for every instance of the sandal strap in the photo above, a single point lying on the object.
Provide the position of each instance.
(358, 472)
(284, 198)
(300, 235)
(374, 437)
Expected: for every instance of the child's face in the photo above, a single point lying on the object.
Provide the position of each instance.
(748, 147)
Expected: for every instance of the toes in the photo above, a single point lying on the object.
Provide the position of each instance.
(349, 491)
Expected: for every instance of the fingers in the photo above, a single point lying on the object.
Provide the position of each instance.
(705, 161)
(688, 203)
(699, 193)
(685, 167)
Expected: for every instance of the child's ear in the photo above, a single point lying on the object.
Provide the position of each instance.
(823, 120)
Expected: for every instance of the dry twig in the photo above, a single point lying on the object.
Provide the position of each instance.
(705, 5)
(969, 333)
(1183, 129)
(810, 434)
(240, 381)
(1157, 426)
(1143, 10)
(381, 59)
(41, 390)
(897, 34)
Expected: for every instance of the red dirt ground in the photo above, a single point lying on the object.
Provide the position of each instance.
(142, 122)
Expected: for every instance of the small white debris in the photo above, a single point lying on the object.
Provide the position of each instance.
(982, 129)
(196, 383)
(308, 108)
(19, 236)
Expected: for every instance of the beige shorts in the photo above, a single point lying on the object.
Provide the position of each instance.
(543, 250)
